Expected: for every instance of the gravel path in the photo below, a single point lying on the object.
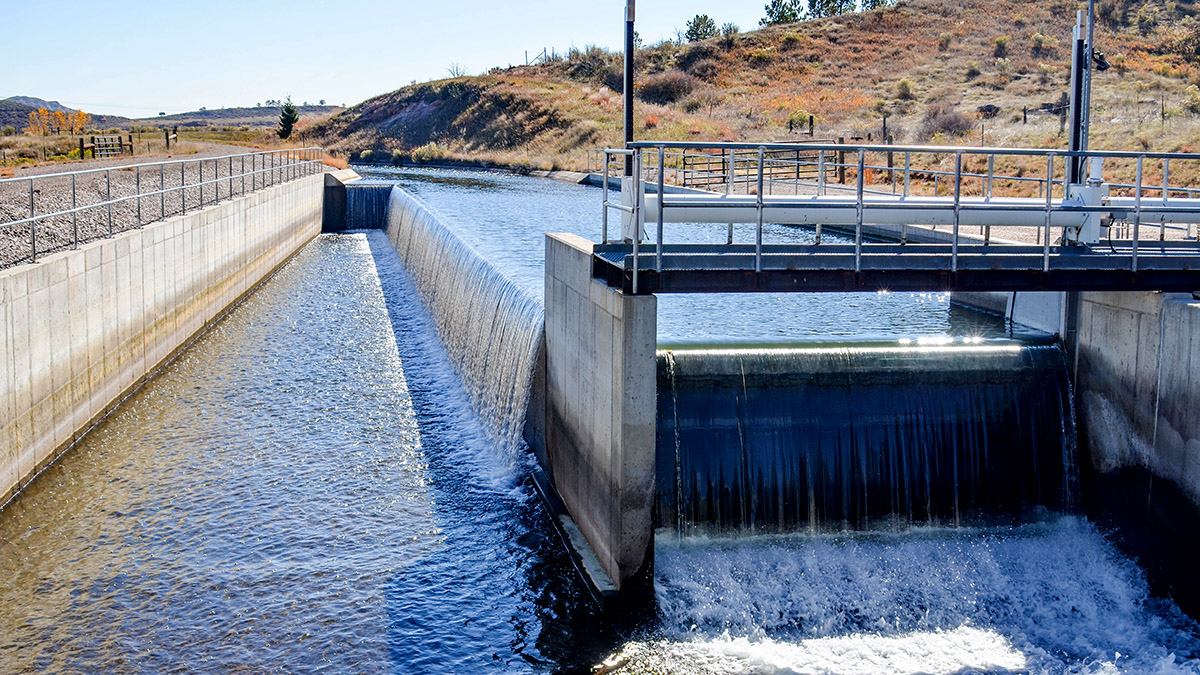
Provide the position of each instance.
(54, 193)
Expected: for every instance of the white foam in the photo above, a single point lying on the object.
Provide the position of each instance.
(1051, 597)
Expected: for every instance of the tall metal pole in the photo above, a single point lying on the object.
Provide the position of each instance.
(628, 93)
(1088, 66)
(1078, 61)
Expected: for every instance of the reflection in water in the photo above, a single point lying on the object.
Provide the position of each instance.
(304, 488)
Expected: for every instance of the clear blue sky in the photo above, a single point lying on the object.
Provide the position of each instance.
(171, 56)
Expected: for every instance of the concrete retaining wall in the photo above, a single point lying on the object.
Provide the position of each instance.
(600, 407)
(81, 329)
(1139, 383)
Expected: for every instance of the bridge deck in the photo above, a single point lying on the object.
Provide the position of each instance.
(708, 268)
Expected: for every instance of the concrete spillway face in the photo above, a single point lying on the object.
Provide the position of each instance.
(490, 328)
(778, 440)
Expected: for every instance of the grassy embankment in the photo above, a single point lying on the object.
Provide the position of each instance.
(927, 64)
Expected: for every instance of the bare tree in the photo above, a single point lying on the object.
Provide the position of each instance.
(457, 70)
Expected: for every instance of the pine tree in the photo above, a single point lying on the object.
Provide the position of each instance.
(701, 27)
(782, 11)
(288, 116)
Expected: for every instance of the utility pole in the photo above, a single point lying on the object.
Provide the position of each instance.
(628, 93)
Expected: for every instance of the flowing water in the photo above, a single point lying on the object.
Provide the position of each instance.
(507, 217)
(307, 488)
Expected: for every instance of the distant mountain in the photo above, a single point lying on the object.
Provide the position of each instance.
(35, 103)
(13, 114)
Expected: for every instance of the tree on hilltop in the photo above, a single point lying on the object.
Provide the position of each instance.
(782, 11)
(701, 27)
(288, 116)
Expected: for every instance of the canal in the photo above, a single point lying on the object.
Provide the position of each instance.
(308, 489)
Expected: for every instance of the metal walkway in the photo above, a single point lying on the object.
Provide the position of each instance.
(701, 268)
(1078, 232)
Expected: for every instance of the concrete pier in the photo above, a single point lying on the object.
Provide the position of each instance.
(81, 329)
(600, 404)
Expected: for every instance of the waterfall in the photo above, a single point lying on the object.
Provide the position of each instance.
(491, 329)
(366, 206)
(854, 437)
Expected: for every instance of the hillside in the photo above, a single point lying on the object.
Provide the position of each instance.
(261, 116)
(14, 112)
(927, 64)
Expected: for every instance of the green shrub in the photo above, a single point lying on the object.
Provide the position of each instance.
(397, 157)
(904, 90)
(944, 41)
(429, 152)
(972, 70)
(1000, 49)
(791, 41)
(366, 156)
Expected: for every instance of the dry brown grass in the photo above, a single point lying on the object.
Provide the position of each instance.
(846, 71)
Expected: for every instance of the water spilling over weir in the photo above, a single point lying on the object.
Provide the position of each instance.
(861, 436)
(325, 481)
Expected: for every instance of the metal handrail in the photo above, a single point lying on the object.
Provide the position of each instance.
(286, 164)
(1183, 211)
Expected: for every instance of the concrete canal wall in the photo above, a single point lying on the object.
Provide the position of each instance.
(81, 329)
(600, 404)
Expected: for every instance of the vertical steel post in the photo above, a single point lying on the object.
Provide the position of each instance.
(137, 173)
(74, 217)
(1045, 234)
(242, 173)
(200, 182)
(758, 208)
(658, 253)
(604, 202)
(1137, 212)
(636, 215)
(907, 176)
(182, 187)
(858, 208)
(627, 93)
(1162, 229)
(729, 190)
(957, 211)
(32, 226)
(162, 191)
(108, 198)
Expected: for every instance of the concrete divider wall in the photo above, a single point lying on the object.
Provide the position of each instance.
(1139, 383)
(600, 404)
(80, 329)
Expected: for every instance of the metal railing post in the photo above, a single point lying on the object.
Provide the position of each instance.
(604, 202)
(758, 208)
(162, 190)
(658, 253)
(820, 173)
(138, 186)
(729, 191)
(957, 211)
(200, 183)
(1137, 212)
(74, 216)
(32, 226)
(242, 172)
(1049, 195)
(636, 189)
(108, 198)
(183, 188)
(858, 208)
(1162, 228)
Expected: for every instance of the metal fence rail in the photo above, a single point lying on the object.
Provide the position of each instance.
(1148, 196)
(43, 213)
